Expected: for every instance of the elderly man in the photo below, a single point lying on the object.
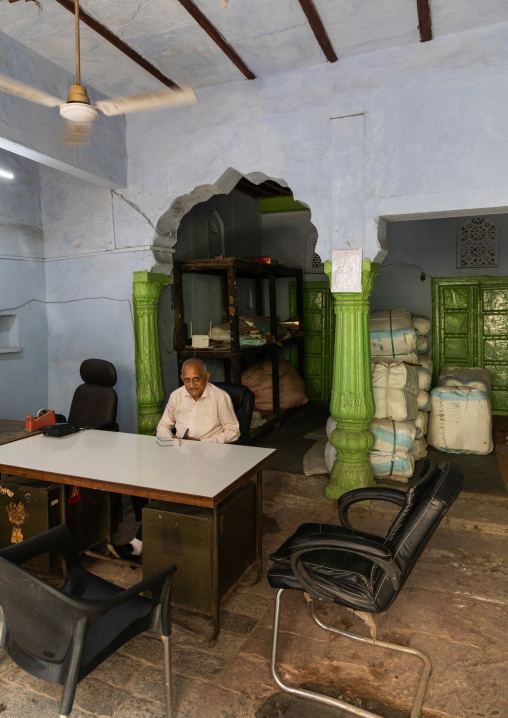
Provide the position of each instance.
(197, 411)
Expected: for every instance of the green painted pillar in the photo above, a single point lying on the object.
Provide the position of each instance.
(149, 391)
(352, 403)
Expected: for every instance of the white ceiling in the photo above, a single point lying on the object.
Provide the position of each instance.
(271, 36)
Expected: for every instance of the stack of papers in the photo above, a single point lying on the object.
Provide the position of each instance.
(168, 441)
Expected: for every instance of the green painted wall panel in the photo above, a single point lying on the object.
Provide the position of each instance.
(495, 300)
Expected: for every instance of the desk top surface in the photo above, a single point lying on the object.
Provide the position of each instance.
(200, 473)
(11, 430)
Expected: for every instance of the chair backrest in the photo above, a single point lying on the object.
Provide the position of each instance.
(433, 495)
(40, 620)
(243, 403)
(95, 402)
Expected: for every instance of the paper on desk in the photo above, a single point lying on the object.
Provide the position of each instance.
(346, 270)
(168, 441)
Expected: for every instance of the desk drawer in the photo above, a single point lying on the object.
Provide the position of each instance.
(184, 535)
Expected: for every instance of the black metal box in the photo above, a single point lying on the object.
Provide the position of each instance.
(204, 551)
(29, 506)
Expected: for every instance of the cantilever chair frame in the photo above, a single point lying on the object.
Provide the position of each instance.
(335, 702)
(422, 508)
(82, 609)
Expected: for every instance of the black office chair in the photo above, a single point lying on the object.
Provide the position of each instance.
(243, 403)
(61, 635)
(364, 572)
(95, 402)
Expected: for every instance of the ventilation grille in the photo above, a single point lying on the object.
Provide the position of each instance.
(478, 244)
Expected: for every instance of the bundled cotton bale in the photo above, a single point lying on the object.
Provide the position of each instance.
(424, 378)
(421, 422)
(395, 387)
(470, 377)
(426, 361)
(330, 453)
(330, 425)
(258, 378)
(391, 332)
(392, 436)
(423, 400)
(421, 324)
(422, 344)
(419, 448)
(398, 467)
(460, 421)
(411, 358)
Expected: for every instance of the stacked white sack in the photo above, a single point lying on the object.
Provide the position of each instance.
(395, 387)
(421, 422)
(470, 377)
(460, 420)
(419, 448)
(421, 324)
(390, 456)
(391, 333)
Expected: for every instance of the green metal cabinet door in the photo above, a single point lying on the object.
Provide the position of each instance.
(470, 328)
(493, 345)
(319, 328)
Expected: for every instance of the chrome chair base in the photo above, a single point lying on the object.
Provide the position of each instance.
(422, 686)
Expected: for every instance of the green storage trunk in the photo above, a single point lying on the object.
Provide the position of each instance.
(184, 535)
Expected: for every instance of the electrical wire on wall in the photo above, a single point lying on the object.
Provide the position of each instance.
(69, 301)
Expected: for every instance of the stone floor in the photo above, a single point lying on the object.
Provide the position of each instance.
(453, 607)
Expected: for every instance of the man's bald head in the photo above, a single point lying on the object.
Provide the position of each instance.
(195, 377)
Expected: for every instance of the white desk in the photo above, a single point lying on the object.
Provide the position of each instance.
(194, 473)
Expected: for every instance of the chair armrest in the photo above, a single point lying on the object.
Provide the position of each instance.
(58, 539)
(156, 584)
(377, 553)
(394, 496)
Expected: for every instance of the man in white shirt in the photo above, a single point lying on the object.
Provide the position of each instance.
(197, 411)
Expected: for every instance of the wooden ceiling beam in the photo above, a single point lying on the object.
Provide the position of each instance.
(105, 33)
(318, 29)
(424, 20)
(216, 36)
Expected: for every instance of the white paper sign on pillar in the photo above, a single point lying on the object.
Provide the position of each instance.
(346, 270)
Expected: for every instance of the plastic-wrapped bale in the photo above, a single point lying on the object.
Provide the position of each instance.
(426, 361)
(392, 437)
(330, 453)
(460, 421)
(331, 424)
(391, 332)
(424, 378)
(411, 358)
(419, 448)
(421, 423)
(389, 457)
(423, 400)
(421, 324)
(258, 378)
(422, 345)
(395, 387)
(470, 377)
(398, 467)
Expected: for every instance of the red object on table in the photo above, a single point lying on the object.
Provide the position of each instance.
(47, 419)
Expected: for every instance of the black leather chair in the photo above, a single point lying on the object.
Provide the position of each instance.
(61, 635)
(95, 402)
(243, 403)
(335, 564)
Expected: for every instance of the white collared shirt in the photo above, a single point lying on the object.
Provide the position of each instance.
(210, 418)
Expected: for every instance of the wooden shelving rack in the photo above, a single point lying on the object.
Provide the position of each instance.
(229, 269)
